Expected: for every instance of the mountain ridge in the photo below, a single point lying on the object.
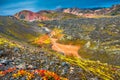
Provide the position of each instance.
(61, 13)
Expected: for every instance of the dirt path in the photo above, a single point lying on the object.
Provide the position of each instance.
(68, 50)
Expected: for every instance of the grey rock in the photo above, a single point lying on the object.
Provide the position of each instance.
(71, 70)
(2, 67)
(38, 78)
(65, 64)
(30, 66)
(54, 69)
(1, 52)
(16, 49)
(21, 66)
(52, 62)
(93, 78)
(6, 62)
(11, 78)
(64, 71)
(47, 67)
(43, 61)
(76, 79)
(23, 78)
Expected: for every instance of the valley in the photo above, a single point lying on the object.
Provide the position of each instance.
(61, 44)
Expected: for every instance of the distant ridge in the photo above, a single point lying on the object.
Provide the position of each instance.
(67, 13)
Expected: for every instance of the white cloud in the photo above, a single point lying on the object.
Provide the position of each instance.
(59, 6)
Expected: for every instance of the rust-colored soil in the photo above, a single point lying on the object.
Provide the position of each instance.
(68, 50)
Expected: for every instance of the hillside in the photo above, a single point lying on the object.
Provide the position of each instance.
(93, 12)
(61, 44)
(12, 27)
(95, 35)
(43, 15)
(31, 63)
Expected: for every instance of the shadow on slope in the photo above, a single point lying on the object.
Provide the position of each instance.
(13, 28)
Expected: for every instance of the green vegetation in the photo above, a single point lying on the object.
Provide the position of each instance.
(60, 16)
(100, 55)
(16, 29)
(102, 34)
(72, 42)
(8, 43)
(101, 70)
(98, 40)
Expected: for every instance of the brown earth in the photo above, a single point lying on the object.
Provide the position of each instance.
(68, 50)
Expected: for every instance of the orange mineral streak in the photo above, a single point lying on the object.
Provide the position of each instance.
(42, 39)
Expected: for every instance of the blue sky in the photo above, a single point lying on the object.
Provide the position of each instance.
(10, 7)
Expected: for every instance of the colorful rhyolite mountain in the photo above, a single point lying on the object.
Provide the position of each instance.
(30, 16)
(114, 10)
(69, 12)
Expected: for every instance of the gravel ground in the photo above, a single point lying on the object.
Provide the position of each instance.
(39, 60)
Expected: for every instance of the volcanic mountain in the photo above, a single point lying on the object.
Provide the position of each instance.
(43, 15)
(67, 13)
(30, 16)
(114, 10)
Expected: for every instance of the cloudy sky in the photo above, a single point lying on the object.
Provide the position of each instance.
(10, 7)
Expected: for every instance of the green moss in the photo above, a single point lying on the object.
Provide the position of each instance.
(58, 15)
(1, 23)
(72, 42)
(10, 44)
(101, 70)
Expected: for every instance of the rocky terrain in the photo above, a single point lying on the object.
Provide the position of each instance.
(19, 62)
(100, 35)
(60, 44)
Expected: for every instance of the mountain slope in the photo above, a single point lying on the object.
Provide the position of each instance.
(98, 38)
(11, 27)
(43, 15)
(114, 10)
(68, 13)
(32, 62)
(30, 16)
